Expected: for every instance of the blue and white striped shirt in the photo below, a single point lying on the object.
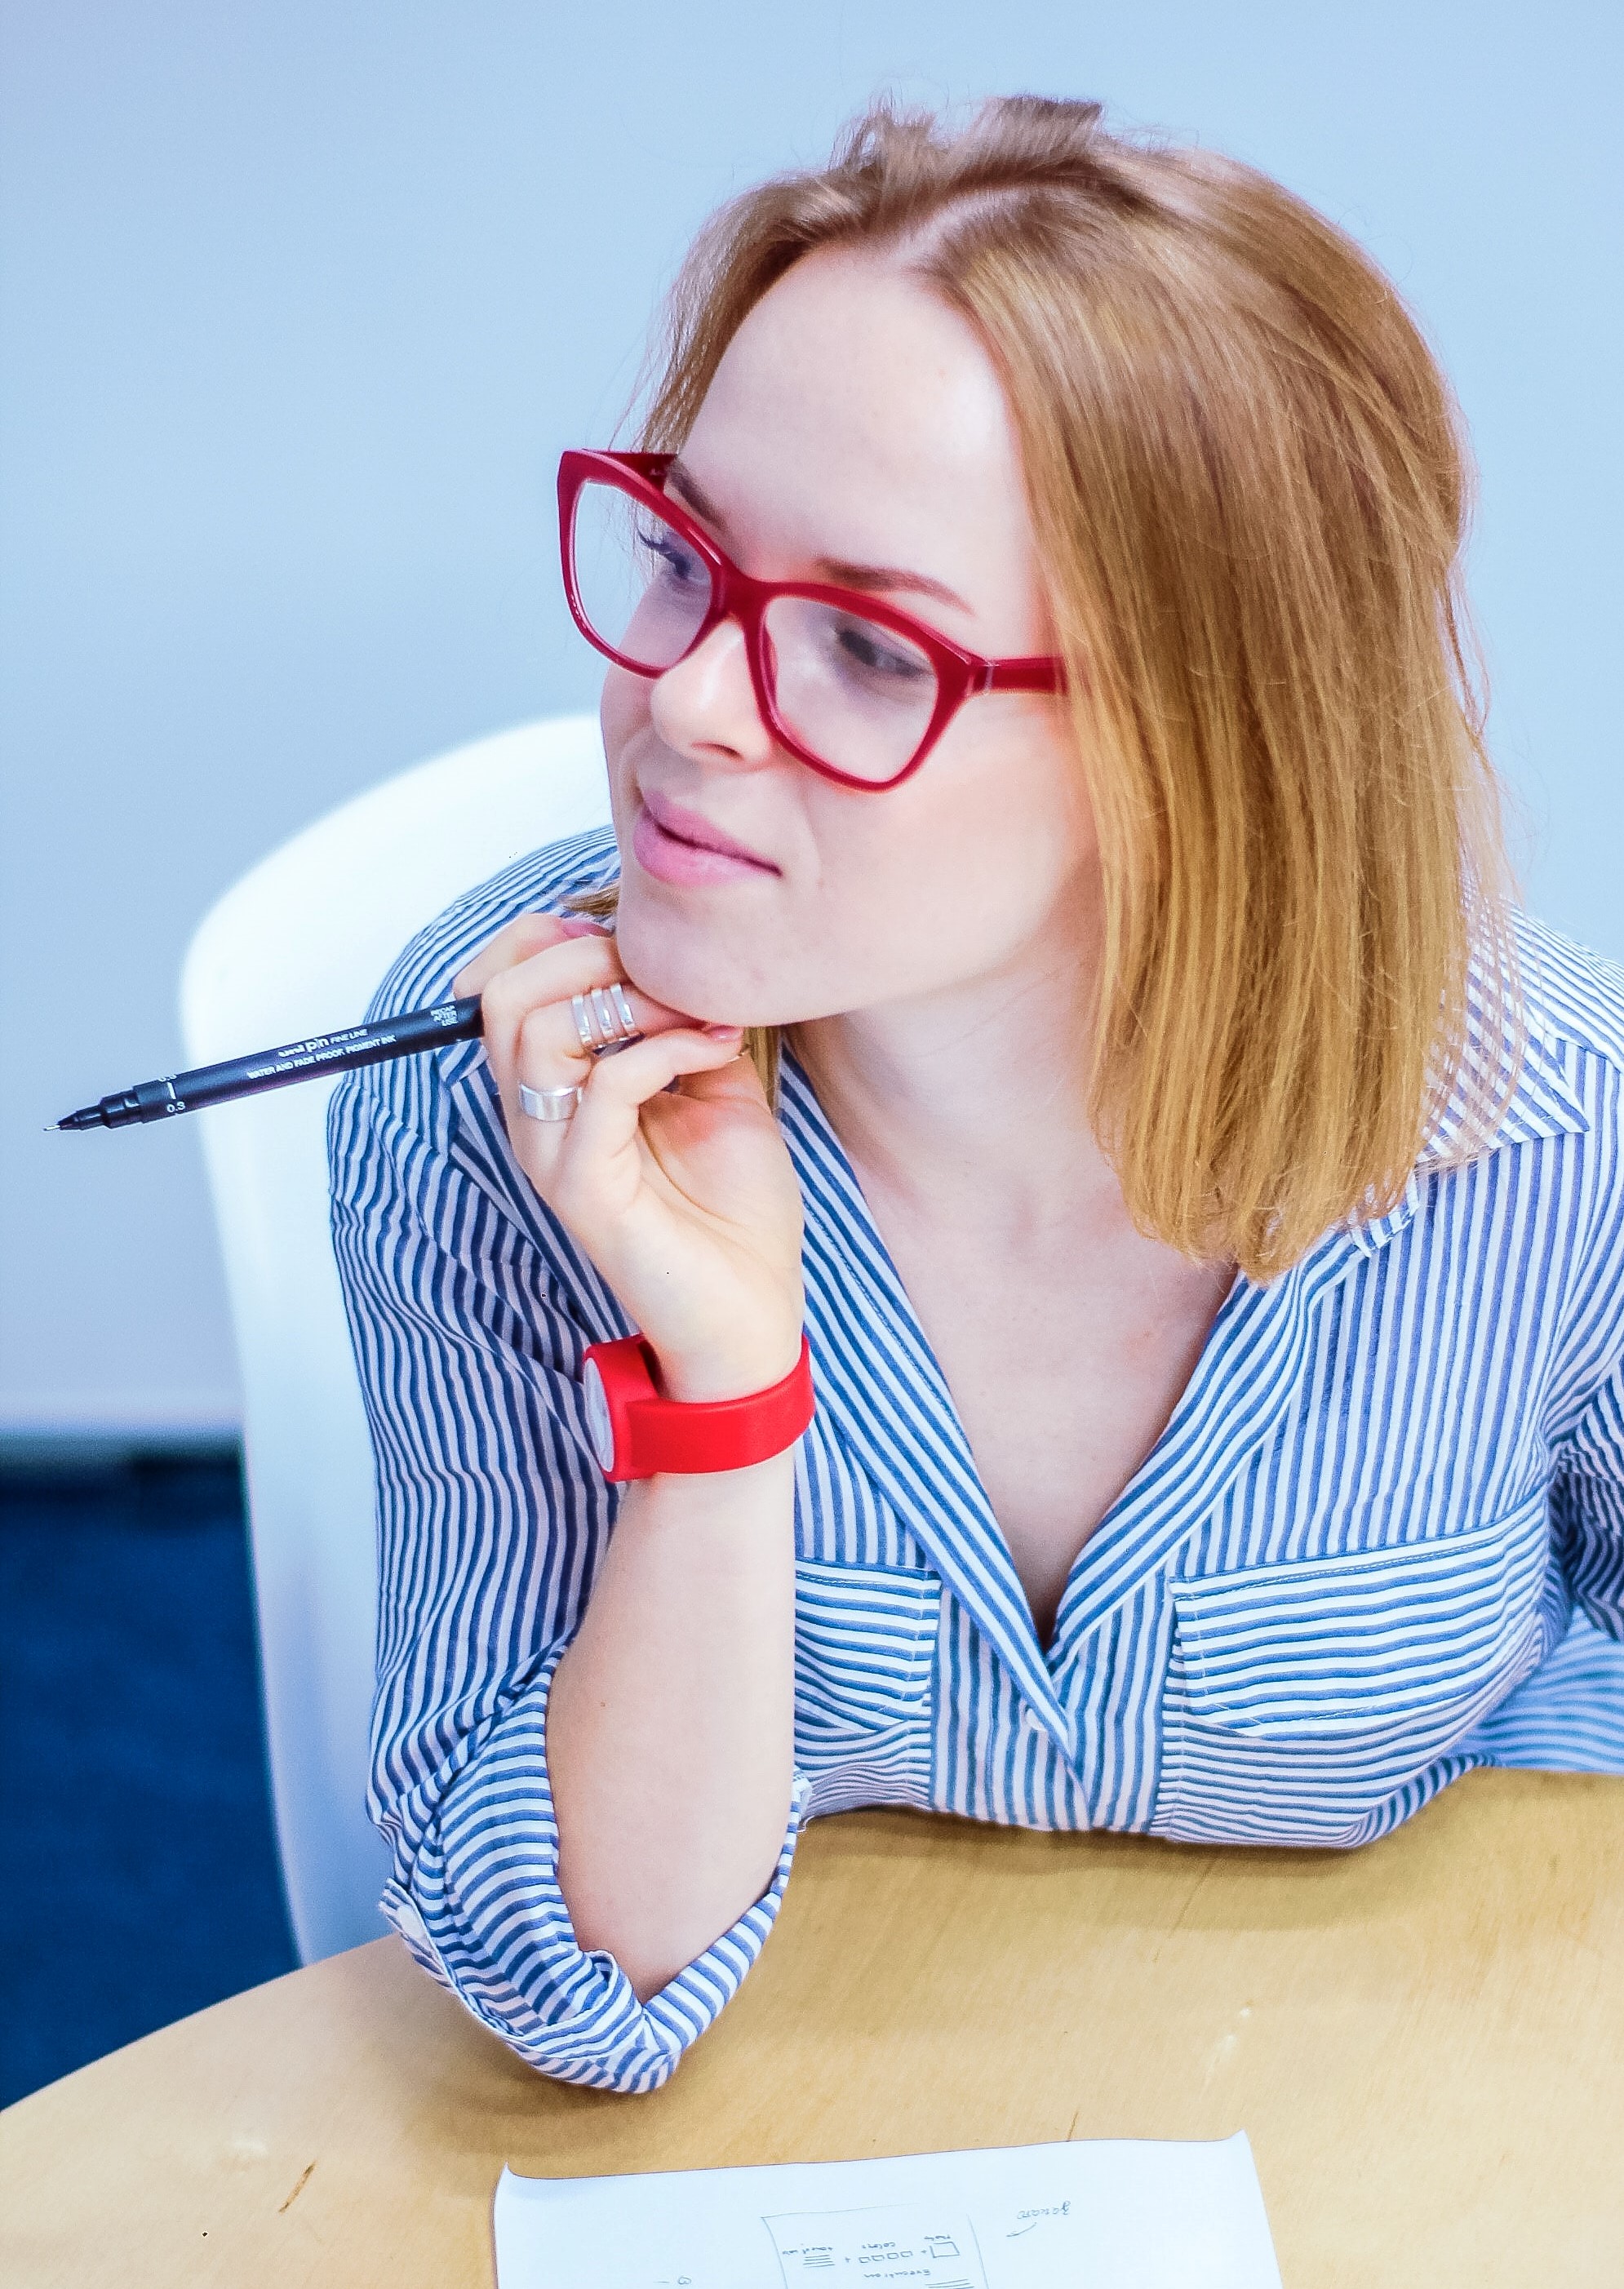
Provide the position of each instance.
(1380, 1540)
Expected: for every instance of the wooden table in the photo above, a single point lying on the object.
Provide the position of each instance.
(1425, 2041)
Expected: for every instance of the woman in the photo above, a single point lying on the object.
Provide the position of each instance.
(1202, 1194)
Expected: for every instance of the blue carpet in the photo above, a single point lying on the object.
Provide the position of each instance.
(135, 1824)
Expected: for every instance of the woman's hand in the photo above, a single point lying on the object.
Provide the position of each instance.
(686, 1201)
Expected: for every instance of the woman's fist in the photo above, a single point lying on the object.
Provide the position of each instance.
(683, 1197)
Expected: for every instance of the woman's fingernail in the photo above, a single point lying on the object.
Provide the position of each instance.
(578, 926)
(724, 1033)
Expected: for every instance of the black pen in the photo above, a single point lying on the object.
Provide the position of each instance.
(308, 1060)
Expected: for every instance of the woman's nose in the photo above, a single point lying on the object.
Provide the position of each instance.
(707, 701)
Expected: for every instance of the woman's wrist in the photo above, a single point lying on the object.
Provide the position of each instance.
(704, 1379)
(731, 1411)
(718, 1502)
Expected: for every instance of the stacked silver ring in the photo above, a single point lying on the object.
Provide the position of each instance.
(604, 1021)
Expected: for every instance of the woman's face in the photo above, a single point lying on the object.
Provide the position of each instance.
(855, 434)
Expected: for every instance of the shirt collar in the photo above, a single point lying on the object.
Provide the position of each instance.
(1533, 1080)
(882, 1388)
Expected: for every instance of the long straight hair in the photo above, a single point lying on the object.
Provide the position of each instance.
(1248, 488)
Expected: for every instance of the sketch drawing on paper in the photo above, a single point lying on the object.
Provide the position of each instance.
(1119, 2215)
(889, 2246)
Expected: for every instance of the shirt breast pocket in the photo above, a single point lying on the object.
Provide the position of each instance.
(1302, 1697)
(865, 1641)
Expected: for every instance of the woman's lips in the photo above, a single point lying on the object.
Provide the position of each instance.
(671, 858)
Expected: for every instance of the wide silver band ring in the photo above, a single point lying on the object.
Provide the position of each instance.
(550, 1104)
(604, 1020)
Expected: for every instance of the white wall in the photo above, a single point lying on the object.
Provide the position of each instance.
(300, 303)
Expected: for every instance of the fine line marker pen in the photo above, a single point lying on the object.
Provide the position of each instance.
(308, 1060)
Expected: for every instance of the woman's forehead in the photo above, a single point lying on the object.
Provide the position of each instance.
(854, 415)
(860, 349)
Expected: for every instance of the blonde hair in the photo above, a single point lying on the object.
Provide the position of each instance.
(1248, 488)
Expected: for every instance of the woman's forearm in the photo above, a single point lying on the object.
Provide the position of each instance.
(670, 1727)
(671, 1720)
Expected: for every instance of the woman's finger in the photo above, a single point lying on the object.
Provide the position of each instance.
(584, 1157)
(528, 1008)
(553, 1042)
(607, 1124)
(529, 934)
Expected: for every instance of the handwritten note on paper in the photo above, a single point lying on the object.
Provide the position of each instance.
(1110, 2215)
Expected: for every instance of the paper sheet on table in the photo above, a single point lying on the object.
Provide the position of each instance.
(1106, 2215)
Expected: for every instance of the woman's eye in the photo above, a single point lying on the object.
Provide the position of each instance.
(667, 557)
(867, 647)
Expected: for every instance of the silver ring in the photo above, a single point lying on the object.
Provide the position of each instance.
(603, 1021)
(550, 1104)
(617, 1028)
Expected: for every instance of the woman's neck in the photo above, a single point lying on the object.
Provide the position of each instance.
(972, 1099)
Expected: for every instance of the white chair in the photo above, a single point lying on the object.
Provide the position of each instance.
(296, 947)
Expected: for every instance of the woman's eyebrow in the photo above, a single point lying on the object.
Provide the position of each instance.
(872, 579)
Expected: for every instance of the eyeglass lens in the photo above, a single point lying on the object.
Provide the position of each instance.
(853, 692)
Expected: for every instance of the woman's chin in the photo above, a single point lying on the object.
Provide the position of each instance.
(685, 968)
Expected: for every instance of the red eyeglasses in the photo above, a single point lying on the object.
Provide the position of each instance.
(858, 691)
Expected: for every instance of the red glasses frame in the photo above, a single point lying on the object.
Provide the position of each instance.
(736, 596)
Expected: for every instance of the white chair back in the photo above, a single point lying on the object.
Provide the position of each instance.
(296, 947)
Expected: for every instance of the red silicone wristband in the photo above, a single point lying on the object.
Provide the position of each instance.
(638, 1432)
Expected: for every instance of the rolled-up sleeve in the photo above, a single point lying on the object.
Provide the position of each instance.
(1588, 1489)
(485, 1914)
(1588, 1507)
(470, 1311)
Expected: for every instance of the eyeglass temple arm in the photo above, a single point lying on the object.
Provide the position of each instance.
(1042, 674)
